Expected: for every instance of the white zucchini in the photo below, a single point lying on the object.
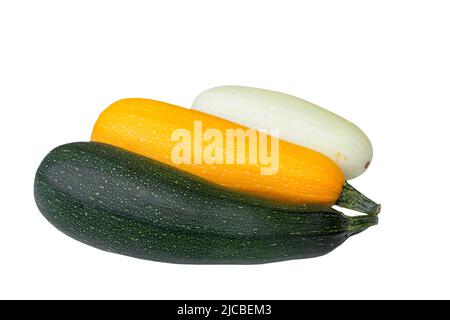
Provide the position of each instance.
(298, 121)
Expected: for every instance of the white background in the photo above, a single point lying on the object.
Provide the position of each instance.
(384, 65)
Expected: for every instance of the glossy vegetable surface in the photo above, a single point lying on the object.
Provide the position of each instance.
(146, 127)
(121, 202)
(297, 120)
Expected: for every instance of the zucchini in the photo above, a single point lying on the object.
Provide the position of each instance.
(298, 121)
(125, 203)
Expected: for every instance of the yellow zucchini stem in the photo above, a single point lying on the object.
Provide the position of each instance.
(351, 198)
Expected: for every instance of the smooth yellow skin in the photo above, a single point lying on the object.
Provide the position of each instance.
(145, 127)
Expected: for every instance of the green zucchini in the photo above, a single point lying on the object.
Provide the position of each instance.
(121, 202)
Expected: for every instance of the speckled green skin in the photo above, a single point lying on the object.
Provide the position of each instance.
(121, 202)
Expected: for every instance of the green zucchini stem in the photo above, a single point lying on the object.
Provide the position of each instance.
(360, 223)
(351, 198)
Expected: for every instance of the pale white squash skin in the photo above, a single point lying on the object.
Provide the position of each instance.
(298, 121)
